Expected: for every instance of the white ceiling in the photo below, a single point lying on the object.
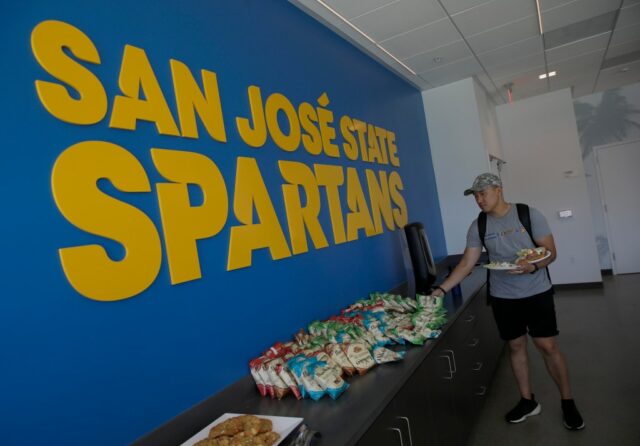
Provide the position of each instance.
(593, 45)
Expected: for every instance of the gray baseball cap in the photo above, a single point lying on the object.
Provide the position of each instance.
(483, 181)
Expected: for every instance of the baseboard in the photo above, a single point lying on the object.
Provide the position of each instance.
(606, 272)
(578, 286)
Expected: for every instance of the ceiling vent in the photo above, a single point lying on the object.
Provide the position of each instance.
(579, 30)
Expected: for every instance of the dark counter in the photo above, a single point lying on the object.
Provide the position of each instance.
(340, 422)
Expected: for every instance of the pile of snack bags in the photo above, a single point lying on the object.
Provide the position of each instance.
(315, 363)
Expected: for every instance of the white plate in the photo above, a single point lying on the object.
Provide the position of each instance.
(282, 425)
(508, 266)
(546, 256)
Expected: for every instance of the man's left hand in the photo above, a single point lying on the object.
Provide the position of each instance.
(523, 267)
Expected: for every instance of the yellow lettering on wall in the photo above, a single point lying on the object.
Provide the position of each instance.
(382, 139)
(256, 136)
(298, 216)
(331, 177)
(250, 192)
(393, 150)
(374, 149)
(325, 118)
(135, 74)
(276, 103)
(311, 139)
(380, 200)
(361, 128)
(400, 214)
(359, 217)
(190, 99)
(88, 268)
(48, 40)
(182, 223)
(350, 145)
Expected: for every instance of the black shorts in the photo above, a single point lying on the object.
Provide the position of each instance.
(535, 315)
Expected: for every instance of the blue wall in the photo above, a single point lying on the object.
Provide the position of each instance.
(78, 371)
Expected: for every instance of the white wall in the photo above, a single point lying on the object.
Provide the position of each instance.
(458, 152)
(544, 169)
(605, 118)
(488, 123)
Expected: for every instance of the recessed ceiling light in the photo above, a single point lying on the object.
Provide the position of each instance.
(545, 75)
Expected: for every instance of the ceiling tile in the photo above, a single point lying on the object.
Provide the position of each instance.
(492, 14)
(447, 54)
(614, 77)
(624, 48)
(456, 6)
(355, 8)
(624, 35)
(532, 45)
(398, 17)
(423, 39)
(333, 22)
(629, 3)
(629, 16)
(504, 35)
(531, 62)
(576, 66)
(600, 24)
(453, 72)
(391, 63)
(583, 78)
(577, 48)
(576, 11)
(549, 4)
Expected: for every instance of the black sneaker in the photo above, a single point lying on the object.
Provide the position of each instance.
(525, 408)
(570, 416)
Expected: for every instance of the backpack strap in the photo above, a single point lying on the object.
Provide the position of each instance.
(525, 218)
(482, 227)
(482, 230)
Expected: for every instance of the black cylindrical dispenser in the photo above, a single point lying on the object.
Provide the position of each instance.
(424, 268)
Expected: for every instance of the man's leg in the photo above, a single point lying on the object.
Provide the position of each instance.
(556, 364)
(520, 365)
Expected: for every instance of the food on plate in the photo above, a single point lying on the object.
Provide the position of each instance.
(500, 265)
(532, 254)
(243, 430)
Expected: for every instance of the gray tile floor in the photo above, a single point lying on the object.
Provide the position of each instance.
(600, 336)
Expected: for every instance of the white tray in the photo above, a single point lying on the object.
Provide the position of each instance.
(282, 425)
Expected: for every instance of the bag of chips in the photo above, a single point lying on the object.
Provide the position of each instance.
(383, 354)
(359, 356)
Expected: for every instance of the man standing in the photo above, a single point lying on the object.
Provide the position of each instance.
(521, 298)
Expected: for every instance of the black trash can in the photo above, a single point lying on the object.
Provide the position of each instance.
(424, 268)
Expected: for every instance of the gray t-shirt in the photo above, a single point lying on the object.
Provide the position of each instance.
(503, 238)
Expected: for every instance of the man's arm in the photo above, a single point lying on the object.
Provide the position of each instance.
(546, 242)
(462, 270)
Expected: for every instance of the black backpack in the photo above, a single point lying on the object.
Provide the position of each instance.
(525, 219)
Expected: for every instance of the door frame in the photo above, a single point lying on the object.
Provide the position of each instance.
(607, 224)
